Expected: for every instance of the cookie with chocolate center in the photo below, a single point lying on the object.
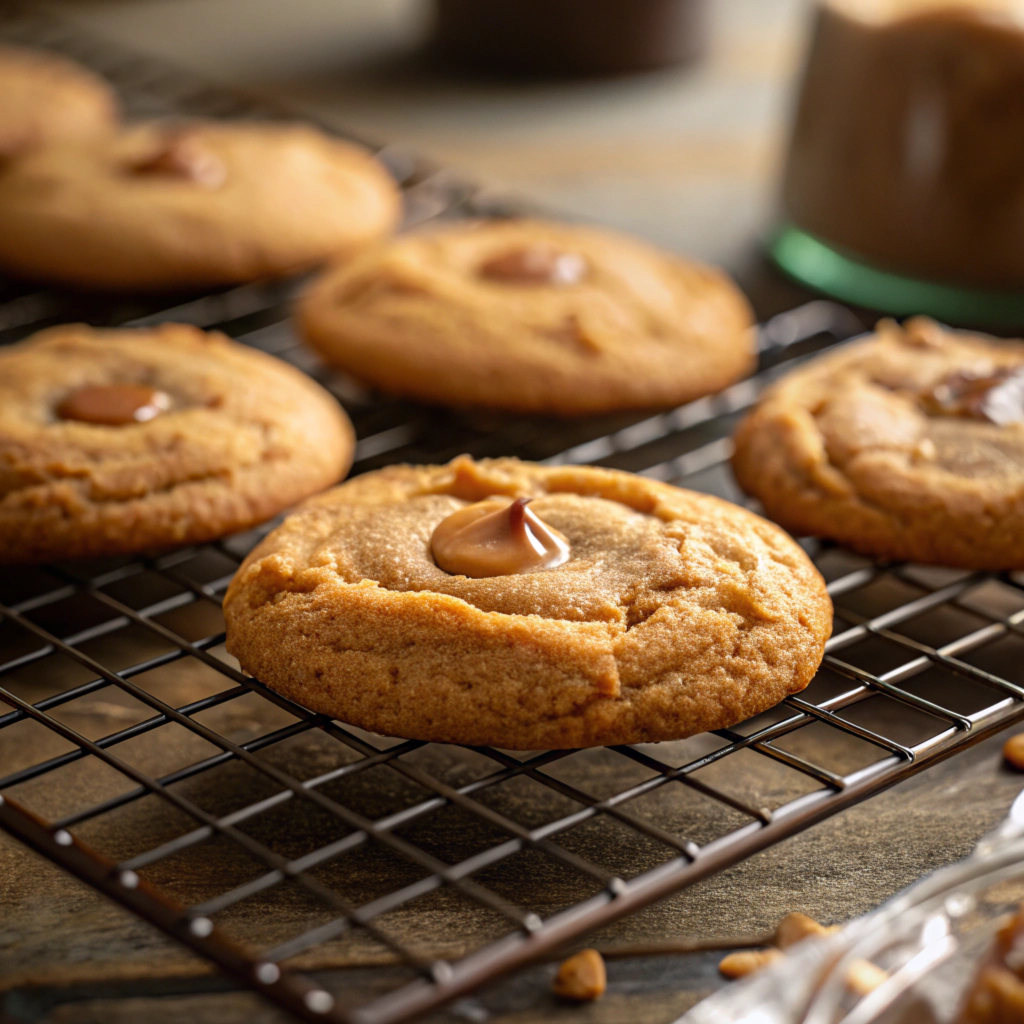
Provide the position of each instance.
(531, 317)
(437, 603)
(906, 445)
(118, 441)
(196, 204)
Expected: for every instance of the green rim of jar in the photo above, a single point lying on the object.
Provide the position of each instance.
(817, 265)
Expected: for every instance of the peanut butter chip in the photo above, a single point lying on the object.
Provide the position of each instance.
(183, 156)
(795, 927)
(996, 397)
(748, 961)
(1013, 751)
(496, 537)
(535, 264)
(997, 997)
(582, 977)
(114, 405)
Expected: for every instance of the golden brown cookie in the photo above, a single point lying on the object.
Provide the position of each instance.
(676, 612)
(46, 98)
(116, 441)
(200, 204)
(906, 445)
(532, 317)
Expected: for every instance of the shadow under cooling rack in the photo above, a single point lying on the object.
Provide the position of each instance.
(274, 842)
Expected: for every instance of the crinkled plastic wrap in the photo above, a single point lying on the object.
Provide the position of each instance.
(922, 948)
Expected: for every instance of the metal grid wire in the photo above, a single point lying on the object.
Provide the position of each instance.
(922, 663)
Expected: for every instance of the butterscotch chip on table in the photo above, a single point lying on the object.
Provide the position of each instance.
(46, 98)
(673, 612)
(116, 441)
(582, 978)
(906, 445)
(795, 927)
(531, 317)
(748, 961)
(167, 206)
(1013, 751)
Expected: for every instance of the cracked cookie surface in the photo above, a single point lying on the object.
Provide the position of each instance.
(906, 445)
(236, 437)
(531, 317)
(677, 612)
(167, 206)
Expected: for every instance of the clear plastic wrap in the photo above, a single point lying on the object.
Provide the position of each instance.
(921, 951)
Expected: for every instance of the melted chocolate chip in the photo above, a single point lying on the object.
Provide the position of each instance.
(182, 156)
(496, 537)
(535, 264)
(997, 398)
(114, 405)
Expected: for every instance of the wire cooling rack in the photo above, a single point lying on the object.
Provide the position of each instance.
(269, 839)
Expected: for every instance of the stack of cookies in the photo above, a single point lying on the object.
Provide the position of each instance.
(495, 602)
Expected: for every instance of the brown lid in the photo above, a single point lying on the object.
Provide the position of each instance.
(570, 37)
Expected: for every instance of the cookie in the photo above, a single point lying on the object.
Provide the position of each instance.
(201, 204)
(115, 441)
(675, 612)
(531, 317)
(46, 98)
(906, 445)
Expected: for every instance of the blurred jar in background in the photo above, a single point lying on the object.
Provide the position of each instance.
(907, 157)
(569, 37)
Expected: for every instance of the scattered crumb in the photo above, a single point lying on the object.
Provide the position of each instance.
(582, 977)
(1013, 751)
(795, 927)
(747, 961)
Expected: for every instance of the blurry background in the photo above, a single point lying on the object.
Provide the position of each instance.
(686, 157)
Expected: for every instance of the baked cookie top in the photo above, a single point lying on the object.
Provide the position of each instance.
(194, 204)
(46, 98)
(119, 440)
(908, 444)
(531, 316)
(673, 613)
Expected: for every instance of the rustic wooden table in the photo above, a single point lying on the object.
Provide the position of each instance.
(686, 158)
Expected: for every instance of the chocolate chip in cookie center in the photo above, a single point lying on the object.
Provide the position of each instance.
(184, 157)
(114, 405)
(535, 264)
(496, 537)
(997, 397)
